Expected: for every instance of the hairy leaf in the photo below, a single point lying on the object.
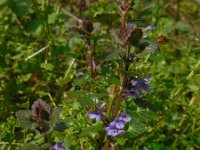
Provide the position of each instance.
(24, 118)
(55, 116)
(92, 130)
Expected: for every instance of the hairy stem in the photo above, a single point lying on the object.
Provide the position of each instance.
(91, 60)
(123, 19)
(121, 92)
(106, 145)
(112, 96)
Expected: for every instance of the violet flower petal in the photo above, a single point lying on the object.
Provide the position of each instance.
(94, 116)
(57, 146)
(119, 125)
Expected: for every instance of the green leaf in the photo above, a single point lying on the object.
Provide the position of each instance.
(24, 118)
(116, 36)
(136, 128)
(46, 146)
(195, 49)
(198, 1)
(30, 146)
(85, 78)
(35, 27)
(114, 80)
(183, 26)
(195, 83)
(196, 139)
(20, 9)
(142, 115)
(76, 43)
(69, 143)
(92, 130)
(60, 126)
(55, 117)
(194, 88)
(84, 97)
(52, 18)
(152, 47)
(47, 66)
(78, 93)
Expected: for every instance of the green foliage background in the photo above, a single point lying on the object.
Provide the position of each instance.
(27, 26)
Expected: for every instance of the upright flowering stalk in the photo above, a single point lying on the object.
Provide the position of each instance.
(128, 36)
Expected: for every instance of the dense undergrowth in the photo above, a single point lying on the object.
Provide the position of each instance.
(45, 54)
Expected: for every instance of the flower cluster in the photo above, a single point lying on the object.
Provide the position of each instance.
(116, 127)
(136, 87)
(57, 146)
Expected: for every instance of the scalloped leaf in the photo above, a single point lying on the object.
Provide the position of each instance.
(55, 117)
(92, 130)
(135, 129)
(85, 97)
(24, 118)
(142, 116)
(60, 126)
(152, 47)
(85, 78)
(116, 37)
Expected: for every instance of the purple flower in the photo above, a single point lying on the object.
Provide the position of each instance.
(149, 27)
(97, 114)
(116, 127)
(79, 74)
(124, 117)
(94, 116)
(136, 87)
(142, 85)
(112, 131)
(57, 146)
(117, 123)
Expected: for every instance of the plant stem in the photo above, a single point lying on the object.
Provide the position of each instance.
(123, 81)
(106, 145)
(112, 96)
(121, 92)
(36, 53)
(90, 59)
(123, 19)
(71, 15)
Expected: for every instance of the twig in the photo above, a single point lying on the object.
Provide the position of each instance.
(36, 53)
(71, 15)
(69, 68)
